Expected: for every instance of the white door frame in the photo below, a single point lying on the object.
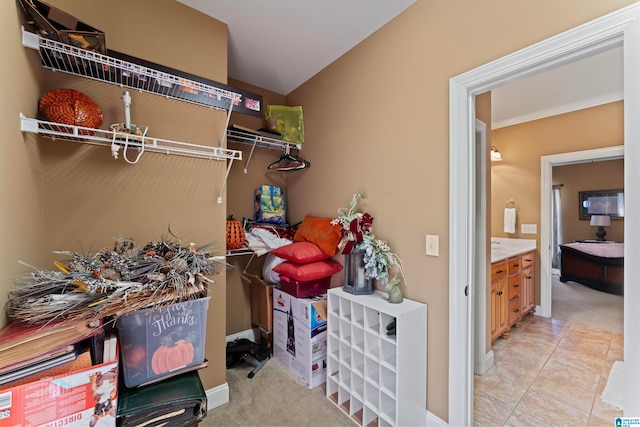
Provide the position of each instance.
(546, 168)
(483, 360)
(601, 34)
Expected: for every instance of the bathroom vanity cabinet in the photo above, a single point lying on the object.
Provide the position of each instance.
(512, 291)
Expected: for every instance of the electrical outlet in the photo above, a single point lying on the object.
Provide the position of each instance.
(529, 228)
(432, 245)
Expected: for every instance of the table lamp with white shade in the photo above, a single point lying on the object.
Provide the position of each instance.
(600, 221)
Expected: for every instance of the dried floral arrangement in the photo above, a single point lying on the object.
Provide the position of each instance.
(113, 282)
(379, 261)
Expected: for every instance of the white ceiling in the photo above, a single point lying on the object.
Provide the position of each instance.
(279, 44)
(591, 81)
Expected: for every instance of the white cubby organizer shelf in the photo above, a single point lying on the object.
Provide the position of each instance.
(376, 378)
(65, 58)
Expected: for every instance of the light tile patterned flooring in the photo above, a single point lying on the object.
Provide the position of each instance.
(549, 372)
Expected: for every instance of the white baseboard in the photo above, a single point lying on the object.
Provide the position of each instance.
(249, 334)
(542, 313)
(434, 420)
(484, 364)
(217, 396)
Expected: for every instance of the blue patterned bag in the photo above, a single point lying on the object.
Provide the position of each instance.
(270, 205)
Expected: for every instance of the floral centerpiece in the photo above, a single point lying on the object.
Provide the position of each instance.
(379, 261)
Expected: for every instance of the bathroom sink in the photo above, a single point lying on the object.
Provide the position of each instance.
(502, 248)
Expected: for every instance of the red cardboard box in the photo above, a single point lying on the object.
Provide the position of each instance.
(84, 397)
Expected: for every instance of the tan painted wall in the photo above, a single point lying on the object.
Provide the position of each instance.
(608, 175)
(21, 227)
(377, 120)
(82, 198)
(518, 175)
(240, 204)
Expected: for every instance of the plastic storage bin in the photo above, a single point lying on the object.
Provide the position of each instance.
(303, 289)
(157, 343)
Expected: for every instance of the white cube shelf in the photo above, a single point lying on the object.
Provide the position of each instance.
(376, 378)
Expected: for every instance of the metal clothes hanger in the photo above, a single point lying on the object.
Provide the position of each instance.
(288, 162)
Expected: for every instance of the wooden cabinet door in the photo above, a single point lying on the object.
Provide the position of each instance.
(528, 295)
(495, 310)
(499, 299)
(499, 308)
(528, 290)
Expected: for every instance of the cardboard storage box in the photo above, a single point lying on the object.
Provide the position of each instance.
(300, 336)
(157, 343)
(261, 303)
(82, 397)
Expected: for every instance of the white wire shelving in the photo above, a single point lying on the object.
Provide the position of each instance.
(69, 59)
(104, 137)
(259, 140)
(58, 56)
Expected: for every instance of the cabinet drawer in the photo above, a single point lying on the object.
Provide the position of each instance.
(515, 284)
(498, 270)
(514, 265)
(514, 310)
(527, 259)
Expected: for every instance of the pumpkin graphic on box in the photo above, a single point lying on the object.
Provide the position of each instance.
(171, 355)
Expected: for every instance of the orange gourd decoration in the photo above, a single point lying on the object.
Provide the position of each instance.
(235, 233)
(167, 358)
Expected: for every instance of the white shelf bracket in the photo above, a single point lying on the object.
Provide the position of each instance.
(244, 270)
(224, 182)
(226, 124)
(253, 147)
(30, 40)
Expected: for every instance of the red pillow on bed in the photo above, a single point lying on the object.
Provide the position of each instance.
(300, 252)
(310, 271)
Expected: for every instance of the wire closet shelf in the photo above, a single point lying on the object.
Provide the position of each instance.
(104, 137)
(69, 59)
(58, 56)
(258, 140)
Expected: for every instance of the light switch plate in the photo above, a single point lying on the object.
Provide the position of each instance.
(432, 245)
(529, 228)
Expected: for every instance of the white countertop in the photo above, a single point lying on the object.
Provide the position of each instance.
(504, 247)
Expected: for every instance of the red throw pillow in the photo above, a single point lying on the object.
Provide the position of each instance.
(321, 232)
(310, 271)
(300, 252)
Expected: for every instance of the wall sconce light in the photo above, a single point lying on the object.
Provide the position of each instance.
(495, 154)
(600, 221)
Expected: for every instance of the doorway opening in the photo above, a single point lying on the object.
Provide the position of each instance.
(616, 29)
(546, 223)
